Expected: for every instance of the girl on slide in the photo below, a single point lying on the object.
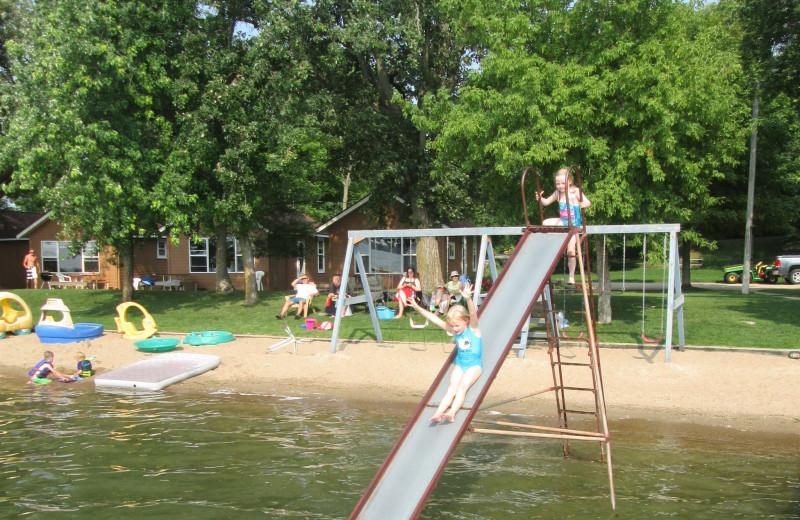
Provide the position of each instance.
(468, 365)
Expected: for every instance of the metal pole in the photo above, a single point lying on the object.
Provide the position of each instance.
(337, 320)
(751, 193)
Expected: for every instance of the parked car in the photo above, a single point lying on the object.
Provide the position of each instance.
(761, 272)
(788, 266)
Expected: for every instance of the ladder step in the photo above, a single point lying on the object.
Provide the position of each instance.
(579, 388)
(571, 364)
(584, 412)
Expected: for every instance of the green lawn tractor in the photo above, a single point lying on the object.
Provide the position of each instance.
(761, 272)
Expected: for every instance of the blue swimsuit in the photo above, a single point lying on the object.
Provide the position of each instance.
(470, 349)
(574, 213)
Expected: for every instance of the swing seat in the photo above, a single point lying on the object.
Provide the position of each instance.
(652, 341)
(415, 325)
(564, 335)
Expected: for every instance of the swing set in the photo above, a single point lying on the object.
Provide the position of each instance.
(663, 284)
(672, 299)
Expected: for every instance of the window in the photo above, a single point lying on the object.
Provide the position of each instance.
(388, 255)
(451, 249)
(57, 257)
(463, 255)
(409, 254)
(199, 261)
(161, 248)
(300, 266)
(203, 256)
(320, 255)
(475, 254)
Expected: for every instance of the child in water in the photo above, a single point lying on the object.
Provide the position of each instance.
(41, 372)
(577, 200)
(468, 364)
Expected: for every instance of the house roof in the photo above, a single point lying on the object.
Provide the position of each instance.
(14, 223)
(355, 207)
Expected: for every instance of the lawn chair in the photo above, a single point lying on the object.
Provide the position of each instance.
(288, 341)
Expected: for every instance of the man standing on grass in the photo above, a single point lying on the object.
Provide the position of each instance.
(31, 265)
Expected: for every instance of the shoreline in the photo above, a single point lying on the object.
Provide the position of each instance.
(742, 390)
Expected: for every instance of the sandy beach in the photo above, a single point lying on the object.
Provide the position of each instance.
(749, 391)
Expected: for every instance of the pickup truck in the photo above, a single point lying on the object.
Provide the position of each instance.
(788, 266)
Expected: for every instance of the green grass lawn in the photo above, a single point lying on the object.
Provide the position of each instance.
(724, 318)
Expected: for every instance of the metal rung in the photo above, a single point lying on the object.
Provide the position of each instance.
(584, 412)
(571, 364)
(577, 388)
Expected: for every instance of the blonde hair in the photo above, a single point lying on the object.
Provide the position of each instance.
(457, 312)
(49, 354)
(80, 356)
(566, 172)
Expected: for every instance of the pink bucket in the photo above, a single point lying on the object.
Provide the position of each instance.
(310, 324)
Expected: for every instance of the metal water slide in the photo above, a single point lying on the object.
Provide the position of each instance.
(415, 463)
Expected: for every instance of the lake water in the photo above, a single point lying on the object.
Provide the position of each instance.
(103, 454)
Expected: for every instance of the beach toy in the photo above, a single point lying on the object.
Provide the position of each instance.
(74, 334)
(208, 337)
(310, 324)
(325, 325)
(16, 320)
(47, 317)
(51, 330)
(384, 313)
(128, 329)
(157, 344)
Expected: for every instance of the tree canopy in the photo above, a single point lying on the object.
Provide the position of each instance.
(237, 116)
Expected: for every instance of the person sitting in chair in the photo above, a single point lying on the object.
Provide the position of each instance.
(305, 289)
(407, 289)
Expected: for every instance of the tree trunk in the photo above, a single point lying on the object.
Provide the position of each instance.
(686, 264)
(604, 279)
(223, 279)
(429, 265)
(127, 259)
(346, 181)
(250, 289)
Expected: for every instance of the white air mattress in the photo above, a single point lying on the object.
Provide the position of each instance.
(159, 371)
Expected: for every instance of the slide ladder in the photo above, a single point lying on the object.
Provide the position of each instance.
(577, 378)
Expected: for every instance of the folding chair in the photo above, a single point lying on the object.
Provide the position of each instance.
(288, 341)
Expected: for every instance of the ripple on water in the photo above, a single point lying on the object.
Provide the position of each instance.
(150, 454)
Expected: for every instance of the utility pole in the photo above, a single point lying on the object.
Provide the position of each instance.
(751, 192)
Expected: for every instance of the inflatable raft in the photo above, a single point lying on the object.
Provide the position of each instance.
(208, 337)
(157, 344)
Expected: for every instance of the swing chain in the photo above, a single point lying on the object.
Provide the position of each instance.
(644, 279)
(623, 262)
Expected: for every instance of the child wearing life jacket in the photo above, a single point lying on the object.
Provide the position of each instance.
(40, 373)
(84, 366)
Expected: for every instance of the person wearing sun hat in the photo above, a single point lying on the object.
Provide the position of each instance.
(453, 288)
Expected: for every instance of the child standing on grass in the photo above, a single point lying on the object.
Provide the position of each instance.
(576, 200)
(469, 364)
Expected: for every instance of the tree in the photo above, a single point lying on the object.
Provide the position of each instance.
(7, 32)
(771, 56)
(90, 119)
(249, 131)
(401, 51)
